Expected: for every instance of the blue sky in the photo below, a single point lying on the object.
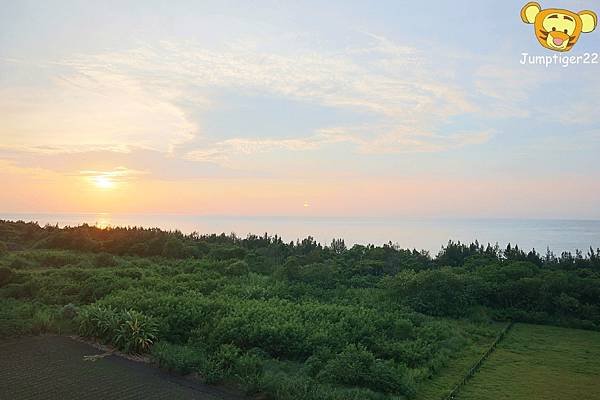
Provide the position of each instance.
(310, 102)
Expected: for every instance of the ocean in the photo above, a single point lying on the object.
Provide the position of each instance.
(413, 233)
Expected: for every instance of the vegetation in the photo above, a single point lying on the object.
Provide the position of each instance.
(289, 320)
(540, 362)
(446, 379)
(129, 330)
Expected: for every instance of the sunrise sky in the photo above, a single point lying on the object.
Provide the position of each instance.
(321, 108)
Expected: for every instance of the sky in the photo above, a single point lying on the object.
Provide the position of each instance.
(349, 108)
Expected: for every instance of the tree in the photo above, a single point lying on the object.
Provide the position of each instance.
(434, 292)
(173, 248)
(338, 246)
(566, 304)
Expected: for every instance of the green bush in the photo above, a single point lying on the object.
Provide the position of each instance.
(20, 290)
(99, 322)
(433, 292)
(15, 317)
(49, 258)
(227, 362)
(69, 311)
(21, 318)
(237, 268)
(356, 366)
(178, 358)
(104, 260)
(350, 367)
(43, 321)
(128, 330)
(283, 386)
(136, 333)
(174, 248)
(19, 262)
(6, 276)
(227, 253)
(221, 364)
(249, 369)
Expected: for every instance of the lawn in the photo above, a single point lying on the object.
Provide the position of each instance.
(441, 383)
(540, 362)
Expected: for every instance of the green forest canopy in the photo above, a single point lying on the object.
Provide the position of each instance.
(292, 320)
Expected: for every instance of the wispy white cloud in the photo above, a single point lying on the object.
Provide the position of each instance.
(9, 168)
(224, 152)
(396, 142)
(394, 82)
(90, 109)
(380, 78)
(407, 143)
(116, 100)
(119, 174)
(508, 88)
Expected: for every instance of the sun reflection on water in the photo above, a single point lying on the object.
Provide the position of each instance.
(103, 221)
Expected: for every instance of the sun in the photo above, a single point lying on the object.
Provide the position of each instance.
(103, 182)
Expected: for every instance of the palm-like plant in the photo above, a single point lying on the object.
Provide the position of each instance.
(136, 332)
(129, 330)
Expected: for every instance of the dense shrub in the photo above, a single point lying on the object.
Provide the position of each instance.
(213, 364)
(356, 366)
(15, 317)
(237, 268)
(221, 364)
(129, 330)
(282, 386)
(104, 260)
(20, 318)
(18, 290)
(433, 292)
(19, 262)
(43, 321)
(178, 358)
(6, 275)
(227, 253)
(136, 332)
(69, 311)
(174, 248)
(53, 259)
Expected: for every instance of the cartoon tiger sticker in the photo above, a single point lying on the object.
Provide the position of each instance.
(557, 29)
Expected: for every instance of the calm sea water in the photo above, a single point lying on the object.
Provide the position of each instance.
(427, 233)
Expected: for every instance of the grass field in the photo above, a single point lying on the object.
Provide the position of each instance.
(54, 368)
(540, 362)
(441, 383)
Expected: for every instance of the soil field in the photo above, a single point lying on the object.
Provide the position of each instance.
(55, 367)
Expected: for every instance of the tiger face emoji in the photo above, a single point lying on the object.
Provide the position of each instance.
(556, 29)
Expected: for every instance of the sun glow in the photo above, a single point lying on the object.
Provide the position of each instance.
(103, 182)
(103, 221)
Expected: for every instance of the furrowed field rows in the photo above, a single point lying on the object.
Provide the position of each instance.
(53, 367)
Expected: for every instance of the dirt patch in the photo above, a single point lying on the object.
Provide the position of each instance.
(58, 367)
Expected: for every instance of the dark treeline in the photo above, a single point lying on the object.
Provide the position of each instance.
(149, 242)
(517, 284)
(289, 319)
